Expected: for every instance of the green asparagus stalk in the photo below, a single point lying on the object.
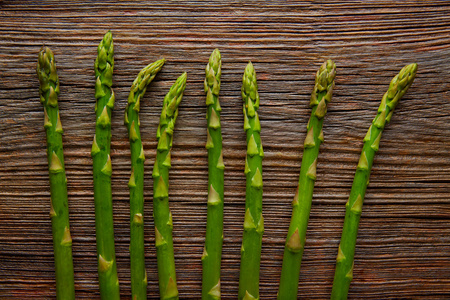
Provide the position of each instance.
(301, 205)
(346, 251)
(253, 220)
(162, 215)
(212, 253)
(59, 211)
(136, 183)
(102, 170)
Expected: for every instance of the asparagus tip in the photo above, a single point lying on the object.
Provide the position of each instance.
(215, 60)
(250, 70)
(46, 67)
(182, 79)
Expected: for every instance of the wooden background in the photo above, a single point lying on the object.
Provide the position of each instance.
(403, 245)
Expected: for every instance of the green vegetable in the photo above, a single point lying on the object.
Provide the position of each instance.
(162, 215)
(344, 261)
(136, 183)
(107, 268)
(253, 222)
(212, 253)
(301, 205)
(59, 211)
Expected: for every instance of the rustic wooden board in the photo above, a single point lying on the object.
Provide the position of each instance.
(404, 239)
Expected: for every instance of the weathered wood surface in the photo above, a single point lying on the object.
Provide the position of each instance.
(403, 247)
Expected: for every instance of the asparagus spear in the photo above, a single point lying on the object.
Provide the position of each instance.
(253, 221)
(136, 183)
(59, 211)
(346, 251)
(107, 269)
(212, 253)
(162, 215)
(301, 205)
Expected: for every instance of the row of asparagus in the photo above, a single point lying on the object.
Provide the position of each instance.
(253, 219)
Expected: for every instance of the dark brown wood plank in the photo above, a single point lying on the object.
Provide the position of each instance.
(404, 238)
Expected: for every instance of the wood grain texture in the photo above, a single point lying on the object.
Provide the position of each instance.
(404, 238)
